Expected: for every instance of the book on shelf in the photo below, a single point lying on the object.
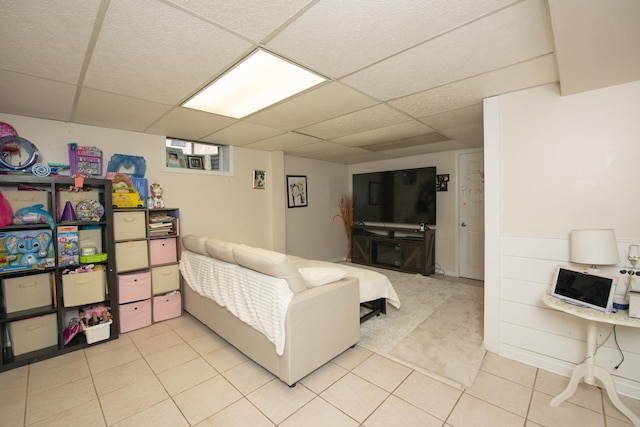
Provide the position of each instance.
(161, 225)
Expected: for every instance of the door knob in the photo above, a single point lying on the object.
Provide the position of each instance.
(464, 224)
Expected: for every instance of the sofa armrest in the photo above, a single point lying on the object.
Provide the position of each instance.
(321, 323)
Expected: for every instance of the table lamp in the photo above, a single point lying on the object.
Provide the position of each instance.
(594, 247)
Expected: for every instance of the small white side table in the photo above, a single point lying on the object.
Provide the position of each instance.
(588, 369)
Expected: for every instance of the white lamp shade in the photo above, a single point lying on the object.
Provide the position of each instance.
(594, 247)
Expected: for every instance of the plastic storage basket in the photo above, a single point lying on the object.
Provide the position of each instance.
(98, 332)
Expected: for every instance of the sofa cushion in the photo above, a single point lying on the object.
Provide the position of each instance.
(318, 276)
(220, 249)
(194, 243)
(268, 262)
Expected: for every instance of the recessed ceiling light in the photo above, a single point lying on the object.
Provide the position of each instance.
(260, 80)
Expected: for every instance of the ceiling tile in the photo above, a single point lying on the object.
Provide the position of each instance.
(323, 103)
(51, 37)
(116, 111)
(35, 97)
(283, 142)
(370, 118)
(449, 119)
(393, 132)
(337, 37)
(416, 150)
(242, 133)
(255, 20)
(428, 138)
(469, 134)
(508, 37)
(149, 50)
(536, 72)
(189, 123)
(606, 50)
(332, 152)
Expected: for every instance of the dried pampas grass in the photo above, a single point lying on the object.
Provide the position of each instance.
(345, 203)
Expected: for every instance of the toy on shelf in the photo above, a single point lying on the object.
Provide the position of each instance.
(123, 195)
(33, 215)
(156, 191)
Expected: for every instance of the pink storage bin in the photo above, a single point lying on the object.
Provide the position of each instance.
(135, 315)
(162, 251)
(167, 306)
(134, 287)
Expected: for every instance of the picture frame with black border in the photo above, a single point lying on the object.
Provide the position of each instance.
(297, 195)
(195, 162)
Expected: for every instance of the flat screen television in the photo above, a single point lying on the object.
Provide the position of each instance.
(406, 196)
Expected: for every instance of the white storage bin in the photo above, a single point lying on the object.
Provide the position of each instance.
(22, 199)
(25, 292)
(132, 255)
(98, 332)
(83, 288)
(34, 333)
(165, 279)
(129, 225)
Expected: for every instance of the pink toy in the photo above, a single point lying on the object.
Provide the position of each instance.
(7, 130)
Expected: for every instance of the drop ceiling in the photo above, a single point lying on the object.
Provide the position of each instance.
(406, 77)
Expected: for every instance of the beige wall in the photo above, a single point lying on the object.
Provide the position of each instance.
(553, 164)
(228, 207)
(312, 231)
(223, 206)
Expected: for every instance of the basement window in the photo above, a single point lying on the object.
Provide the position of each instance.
(181, 155)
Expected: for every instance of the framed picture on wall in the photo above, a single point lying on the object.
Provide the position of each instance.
(175, 158)
(195, 162)
(297, 196)
(259, 179)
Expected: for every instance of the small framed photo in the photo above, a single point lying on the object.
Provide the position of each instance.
(259, 179)
(175, 158)
(297, 196)
(195, 162)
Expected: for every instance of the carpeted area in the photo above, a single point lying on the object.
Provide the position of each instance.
(438, 329)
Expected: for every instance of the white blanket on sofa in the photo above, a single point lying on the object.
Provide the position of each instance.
(259, 300)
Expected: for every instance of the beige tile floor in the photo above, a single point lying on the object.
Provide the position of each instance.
(178, 373)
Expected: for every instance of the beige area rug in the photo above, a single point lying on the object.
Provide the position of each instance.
(438, 329)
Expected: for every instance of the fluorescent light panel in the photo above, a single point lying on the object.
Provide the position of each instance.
(258, 81)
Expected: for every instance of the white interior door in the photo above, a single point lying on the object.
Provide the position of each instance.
(471, 209)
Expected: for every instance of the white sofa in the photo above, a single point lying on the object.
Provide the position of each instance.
(291, 324)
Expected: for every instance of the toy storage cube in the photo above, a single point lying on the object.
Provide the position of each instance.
(135, 315)
(167, 306)
(23, 199)
(25, 292)
(134, 287)
(90, 238)
(162, 251)
(83, 288)
(74, 197)
(165, 279)
(132, 255)
(34, 333)
(129, 225)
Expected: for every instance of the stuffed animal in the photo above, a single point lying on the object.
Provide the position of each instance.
(156, 191)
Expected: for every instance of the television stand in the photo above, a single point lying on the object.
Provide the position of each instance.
(395, 248)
